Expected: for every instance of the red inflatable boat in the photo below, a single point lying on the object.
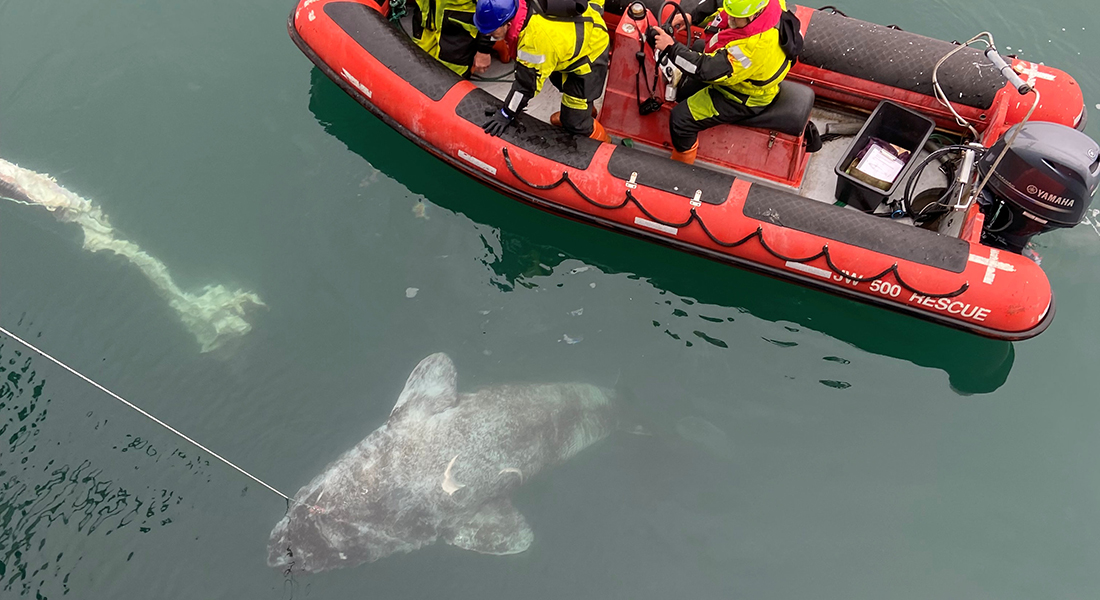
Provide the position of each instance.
(756, 198)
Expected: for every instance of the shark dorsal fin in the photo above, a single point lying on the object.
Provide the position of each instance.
(429, 390)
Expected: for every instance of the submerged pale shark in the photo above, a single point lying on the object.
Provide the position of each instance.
(442, 467)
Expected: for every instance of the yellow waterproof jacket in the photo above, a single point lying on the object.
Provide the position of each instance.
(429, 16)
(427, 21)
(461, 12)
(548, 44)
(758, 65)
(437, 24)
(747, 71)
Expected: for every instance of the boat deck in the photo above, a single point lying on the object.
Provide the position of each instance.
(818, 183)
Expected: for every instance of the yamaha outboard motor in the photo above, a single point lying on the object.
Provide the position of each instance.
(1045, 181)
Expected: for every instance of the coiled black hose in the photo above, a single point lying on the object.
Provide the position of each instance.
(907, 197)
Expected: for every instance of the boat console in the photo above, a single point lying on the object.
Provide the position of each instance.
(770, 146)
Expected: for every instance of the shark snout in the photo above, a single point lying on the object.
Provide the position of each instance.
(279, 552)
(308, 541)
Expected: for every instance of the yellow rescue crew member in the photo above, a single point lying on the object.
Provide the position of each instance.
(736, 75)
(564, 41)
(445, 30)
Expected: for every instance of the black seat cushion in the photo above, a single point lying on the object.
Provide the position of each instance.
(788, 113)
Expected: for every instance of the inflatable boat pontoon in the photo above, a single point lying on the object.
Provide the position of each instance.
(756, 198)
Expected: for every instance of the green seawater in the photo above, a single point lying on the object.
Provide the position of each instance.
(806, 446)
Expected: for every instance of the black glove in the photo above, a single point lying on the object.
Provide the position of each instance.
(651, 34)
(498, 123)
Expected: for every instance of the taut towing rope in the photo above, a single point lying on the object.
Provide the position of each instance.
(151, 417)
(758, 234)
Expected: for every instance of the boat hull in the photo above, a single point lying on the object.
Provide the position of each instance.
(958, 283)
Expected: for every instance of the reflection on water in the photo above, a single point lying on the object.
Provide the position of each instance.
(523, 253)
(39, 492)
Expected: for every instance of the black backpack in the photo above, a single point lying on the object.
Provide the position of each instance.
(790, 35)
(560, 10)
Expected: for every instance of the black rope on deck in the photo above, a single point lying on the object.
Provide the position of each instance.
(758, 234)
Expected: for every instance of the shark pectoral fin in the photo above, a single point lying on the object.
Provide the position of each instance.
(497, 528)
(449, 484)
(430, 388)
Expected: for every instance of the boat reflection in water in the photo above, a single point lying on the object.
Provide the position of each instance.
(974, 364)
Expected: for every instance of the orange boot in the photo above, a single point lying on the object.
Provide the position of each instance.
(555, 119)
(599, 133)
(687, 156)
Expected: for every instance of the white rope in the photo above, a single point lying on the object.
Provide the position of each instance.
(131, 405)
(938, 91)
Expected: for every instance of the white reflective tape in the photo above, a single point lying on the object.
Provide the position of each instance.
(535, 59)
(355, 82)
(740, 56)
(686, 65)
(484, 166)
(657, 226)
(514, 100)
(808, 269)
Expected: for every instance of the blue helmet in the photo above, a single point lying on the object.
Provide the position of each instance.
(491, 14)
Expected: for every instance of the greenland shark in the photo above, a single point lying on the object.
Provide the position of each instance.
(214, 317)
(442, 467)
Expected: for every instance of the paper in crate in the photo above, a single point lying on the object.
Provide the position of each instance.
(879, 163)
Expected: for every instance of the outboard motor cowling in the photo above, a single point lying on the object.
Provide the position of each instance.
(1045, 181)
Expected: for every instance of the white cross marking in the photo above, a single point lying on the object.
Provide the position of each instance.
(992, 264)
(1032, 71)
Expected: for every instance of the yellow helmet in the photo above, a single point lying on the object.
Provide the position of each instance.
(743, 9)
